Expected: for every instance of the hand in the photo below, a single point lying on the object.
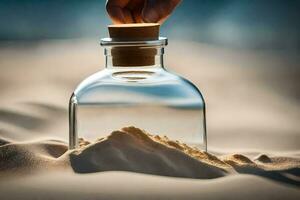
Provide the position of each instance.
(140, 11)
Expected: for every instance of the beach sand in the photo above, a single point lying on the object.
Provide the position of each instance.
(31, 167)
(253, 133)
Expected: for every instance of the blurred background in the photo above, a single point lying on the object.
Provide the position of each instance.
(234, 23)
(244, 55)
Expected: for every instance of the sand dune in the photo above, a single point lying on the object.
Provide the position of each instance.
(132, 149)
(26, 158)
(47, 170)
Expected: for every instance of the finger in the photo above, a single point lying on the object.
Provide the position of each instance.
(158, 10)
(136, 14)
(136, 7)
(118, 12)
(168, 10)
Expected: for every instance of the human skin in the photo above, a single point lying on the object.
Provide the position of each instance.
(140, 11)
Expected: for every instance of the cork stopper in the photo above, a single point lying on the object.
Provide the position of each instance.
(134, 56)
(138, 31)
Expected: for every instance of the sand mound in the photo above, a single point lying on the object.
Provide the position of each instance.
(135, 150)
(132, 149)
(31, 157)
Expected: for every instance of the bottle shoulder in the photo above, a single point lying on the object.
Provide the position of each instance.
(140, 84)
(92, 80)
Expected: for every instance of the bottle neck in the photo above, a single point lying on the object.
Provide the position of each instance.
(132, 57)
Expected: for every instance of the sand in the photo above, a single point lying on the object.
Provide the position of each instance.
(132, 150)
(253, 131)
(135, 150)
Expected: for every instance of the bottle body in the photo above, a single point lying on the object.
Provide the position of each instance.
(134, 89)
(149, 98)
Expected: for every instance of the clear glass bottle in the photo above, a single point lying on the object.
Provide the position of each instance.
(147, 97)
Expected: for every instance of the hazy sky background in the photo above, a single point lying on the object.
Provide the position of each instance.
(259, 24)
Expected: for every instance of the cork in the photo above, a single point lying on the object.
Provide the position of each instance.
(138, 31)
(133, 56)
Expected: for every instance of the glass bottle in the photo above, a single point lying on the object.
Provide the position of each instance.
(145, 96)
